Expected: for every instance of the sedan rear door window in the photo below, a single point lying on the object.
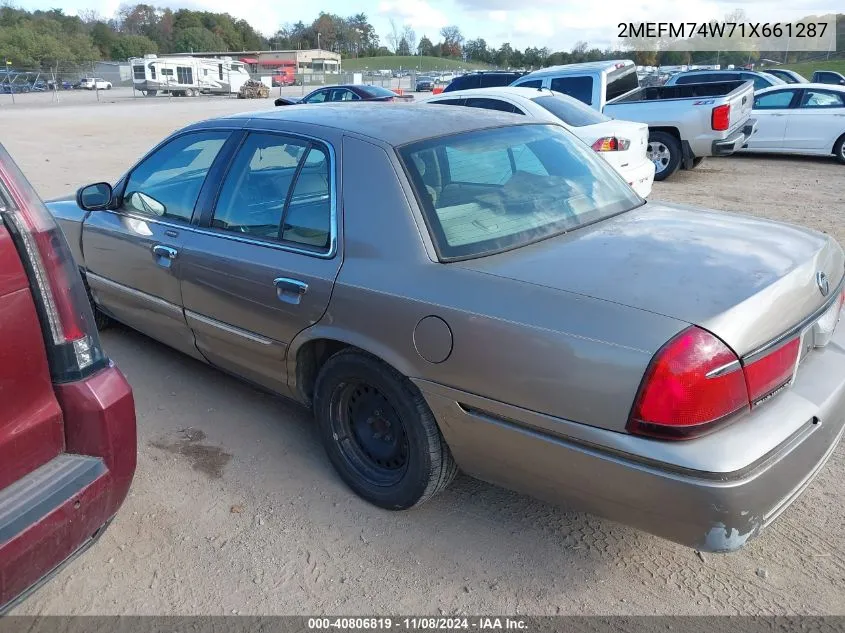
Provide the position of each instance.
(277, 189)
(822, 99)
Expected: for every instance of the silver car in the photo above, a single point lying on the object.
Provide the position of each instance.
(458, 288)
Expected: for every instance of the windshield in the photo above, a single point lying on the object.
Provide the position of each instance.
(571, 111)
(491, 190)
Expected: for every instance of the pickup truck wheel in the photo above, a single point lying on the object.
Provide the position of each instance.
(839, 149)
(664, 150)
(379, 433)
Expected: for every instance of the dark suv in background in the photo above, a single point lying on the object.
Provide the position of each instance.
(483, 79)
(761, 79)
(828, 77)
(67, 416)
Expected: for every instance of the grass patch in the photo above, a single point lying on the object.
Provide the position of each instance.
(807, 68)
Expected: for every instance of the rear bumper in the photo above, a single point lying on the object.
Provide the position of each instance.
(710, 509)
(61, 508)
(640, 177)
(735, 141)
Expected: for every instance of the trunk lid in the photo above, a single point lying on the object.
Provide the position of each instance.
(745, 279)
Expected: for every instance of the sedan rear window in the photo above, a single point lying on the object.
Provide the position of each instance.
(571, 111)
(377, 91)
(492, 190)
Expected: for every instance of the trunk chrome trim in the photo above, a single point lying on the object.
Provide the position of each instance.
(138, 294)
(795, 330)
(231, 329)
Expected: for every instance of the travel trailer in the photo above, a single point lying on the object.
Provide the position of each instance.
(187, 76)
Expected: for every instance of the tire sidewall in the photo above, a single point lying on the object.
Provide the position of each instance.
(839, 150)
(338, 373)
(674, 147)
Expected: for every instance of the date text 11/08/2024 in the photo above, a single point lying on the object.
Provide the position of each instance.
(479, 623)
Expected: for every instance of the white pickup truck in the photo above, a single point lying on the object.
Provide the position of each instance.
(686, 123)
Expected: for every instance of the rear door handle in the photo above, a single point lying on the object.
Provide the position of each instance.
(290, 290)
(160, 250)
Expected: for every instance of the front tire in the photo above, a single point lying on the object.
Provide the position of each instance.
(664, 150)
(839, 149)
(379, 433)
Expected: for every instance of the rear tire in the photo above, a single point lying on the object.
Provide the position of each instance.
(839, 149)
(379, 433)
(664, 150)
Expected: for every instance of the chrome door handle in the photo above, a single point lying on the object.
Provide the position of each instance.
(160, 250)
(290, 290)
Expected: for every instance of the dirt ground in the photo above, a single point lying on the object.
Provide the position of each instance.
(235, 508)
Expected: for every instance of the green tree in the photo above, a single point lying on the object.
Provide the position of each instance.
(403, 48)
(103, 37)
(197, 39)
(425, 47)
(476, 50)
(127, 46)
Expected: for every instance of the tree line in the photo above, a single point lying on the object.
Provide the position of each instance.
(45, 37)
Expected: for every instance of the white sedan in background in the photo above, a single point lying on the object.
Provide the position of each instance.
(622, 143)
(800, 119)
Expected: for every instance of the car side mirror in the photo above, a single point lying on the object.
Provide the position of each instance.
(94, 197)
(145, 204)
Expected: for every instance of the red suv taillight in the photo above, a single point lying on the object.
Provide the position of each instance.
(72, 341)
(720, 118)
(696, 381)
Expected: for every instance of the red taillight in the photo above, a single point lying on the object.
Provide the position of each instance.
(694, 381)
(767, 374)
(611, 144)
(720, 119)
(73, 345)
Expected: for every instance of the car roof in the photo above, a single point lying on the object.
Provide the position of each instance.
(498, 91)
(608, 65)
(816, 86)
(395, 124)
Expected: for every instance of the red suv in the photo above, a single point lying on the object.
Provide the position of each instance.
(67, 417)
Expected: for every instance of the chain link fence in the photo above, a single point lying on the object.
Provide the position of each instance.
(99, 77)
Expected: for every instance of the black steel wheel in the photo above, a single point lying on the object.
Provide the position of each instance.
(376, 444)
(379, 433)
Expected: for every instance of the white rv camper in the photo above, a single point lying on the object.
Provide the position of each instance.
(187, 76)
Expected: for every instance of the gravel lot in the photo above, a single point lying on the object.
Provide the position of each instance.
(235, 508)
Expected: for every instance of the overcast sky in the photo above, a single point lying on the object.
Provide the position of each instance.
(557, 24)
